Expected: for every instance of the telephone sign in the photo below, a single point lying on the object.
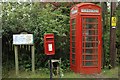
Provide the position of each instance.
(114, 21)
(74, 11)
(89, 10)
(49, 44)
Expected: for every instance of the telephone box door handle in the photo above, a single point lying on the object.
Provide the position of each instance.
(98, 42)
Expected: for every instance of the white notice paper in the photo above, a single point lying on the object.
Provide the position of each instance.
(49, 47)
(19, 39)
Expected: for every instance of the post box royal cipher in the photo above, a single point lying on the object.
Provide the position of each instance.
(49, 46)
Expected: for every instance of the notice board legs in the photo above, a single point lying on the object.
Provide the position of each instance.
(16, 60)
(17, 63)
(33, 60)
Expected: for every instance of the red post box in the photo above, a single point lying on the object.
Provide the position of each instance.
(49, 44)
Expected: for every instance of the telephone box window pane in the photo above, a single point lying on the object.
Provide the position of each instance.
(83, 51)
(92, 20)
(73, 61)
(96, 44)
(83, 63)
(89, 44)
(73, 32)
(73, 24)
(96, 51)
(91, 32)
(89, 51)
(95, 38)
(91, 57)
(84, 32)
(73, 56)
(95, 63)
(83, 38)
(88, 63)
(83, 45)
(73, 41)
(83, 26)
(96, 32)
(90, 38)
(73, 44)
(95, 57)
(91, 26)
(93, 50)
(88, 58)
(73, 38)
(83, 57)
(73, 50)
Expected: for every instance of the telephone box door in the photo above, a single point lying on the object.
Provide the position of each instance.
(91, 38)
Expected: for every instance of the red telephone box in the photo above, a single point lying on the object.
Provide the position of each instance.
(85, 38)
(49, 44)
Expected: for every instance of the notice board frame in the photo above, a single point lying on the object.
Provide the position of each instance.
(16, 54)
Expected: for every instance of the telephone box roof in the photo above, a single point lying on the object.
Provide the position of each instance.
(83, 4)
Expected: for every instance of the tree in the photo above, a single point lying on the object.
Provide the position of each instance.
(38, 18)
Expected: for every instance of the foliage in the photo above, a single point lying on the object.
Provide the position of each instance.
(118, 33)
(106, 38)
(37, 18)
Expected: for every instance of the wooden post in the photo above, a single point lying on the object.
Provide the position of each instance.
(16, 60)
(112, 37)
(33, 59)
